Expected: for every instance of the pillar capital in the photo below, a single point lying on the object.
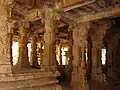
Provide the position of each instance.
(24, 27)
(51, 18)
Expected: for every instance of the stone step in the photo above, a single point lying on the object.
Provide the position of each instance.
(14, 85)
(28, 80)
(26, 76)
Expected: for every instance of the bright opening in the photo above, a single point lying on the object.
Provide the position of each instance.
(15, 52)
(65, 58)
(103, 56)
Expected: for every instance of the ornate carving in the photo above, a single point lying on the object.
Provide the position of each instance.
(51, 18)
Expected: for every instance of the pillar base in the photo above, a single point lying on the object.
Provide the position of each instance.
(79, 80)
(5, 69)
(98, 81)
(110, 72)
(98, 75)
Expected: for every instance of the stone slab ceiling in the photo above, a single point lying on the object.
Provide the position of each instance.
(100, 9)
(71, 11)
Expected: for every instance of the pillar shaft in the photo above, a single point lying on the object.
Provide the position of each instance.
(112, 47)
(89, 67)
(49, 38)
(34, 51)
(23, 61)
(96, 61)
(79, 81)
(70, 43)
(60, 47)
(10, 36)
(5, 66)
(98, 33)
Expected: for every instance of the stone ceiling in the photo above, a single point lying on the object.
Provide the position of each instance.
(71, 11)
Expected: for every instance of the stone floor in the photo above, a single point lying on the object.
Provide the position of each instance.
(65, 86)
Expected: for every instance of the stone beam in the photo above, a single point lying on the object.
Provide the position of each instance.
(104, 14)
(78, 5)
(66, 3)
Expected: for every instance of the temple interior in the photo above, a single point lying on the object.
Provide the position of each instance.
(59, 44)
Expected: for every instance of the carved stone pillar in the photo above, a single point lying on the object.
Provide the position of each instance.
(34, 50)
(49, 61)
(79, 80)
(23, 61)
(10, 36)
(5, 65)
(97, 73)
(70, 44)
(70, 52)
(89, 62)
(98, 32)
(60, 56)
(112, 42)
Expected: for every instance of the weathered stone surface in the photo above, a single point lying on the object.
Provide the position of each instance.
(34, 50)
(28, 80)
(5, 66)
(23, 55)
(79, 78)
(49, 38)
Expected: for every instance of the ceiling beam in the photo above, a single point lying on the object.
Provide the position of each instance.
(104, 14)
(78, 5)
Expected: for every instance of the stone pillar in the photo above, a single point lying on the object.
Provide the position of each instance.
(79, 80)
(23, 61)
(98, 32)
(97, 73)
(70, 44)
(5, 65)
(10, 36)
(70, 53)
(34, 51)
(89, 62)
(60, 47)
(49, 61)
(112, 42)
